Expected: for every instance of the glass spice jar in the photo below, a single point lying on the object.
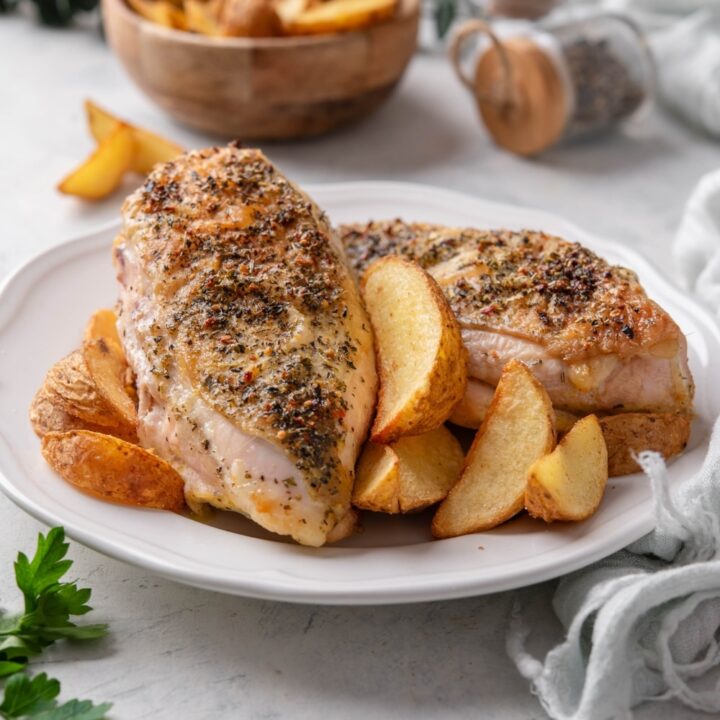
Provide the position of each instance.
(553, 82)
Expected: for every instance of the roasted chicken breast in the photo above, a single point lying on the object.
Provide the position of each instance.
(250, 345)
(586, 328)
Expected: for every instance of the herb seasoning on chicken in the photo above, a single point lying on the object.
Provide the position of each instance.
(586, 328)
(250, 345)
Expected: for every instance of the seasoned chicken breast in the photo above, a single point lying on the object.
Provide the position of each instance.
(586, 328)
(250, 345)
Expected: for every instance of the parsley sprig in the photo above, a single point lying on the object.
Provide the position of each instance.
(49, 605)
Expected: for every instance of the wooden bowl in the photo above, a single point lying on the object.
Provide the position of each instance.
(264, 88)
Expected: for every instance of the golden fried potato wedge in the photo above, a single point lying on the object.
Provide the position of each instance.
(108, 371)
(69, 382)
(629, 433)
(422, 362)
(337, 16)
(203, 16)
(103, 324)
(569, 483)
(101, 174)
(113, 469)
(470, 411)
(408, 475)
(518, 430)
(161, 12)
(150, 149)
(250, 18)
(47, 415)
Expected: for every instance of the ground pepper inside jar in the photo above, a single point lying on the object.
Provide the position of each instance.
(604, 87)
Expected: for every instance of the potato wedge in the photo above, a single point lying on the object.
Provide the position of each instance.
(340, 16)
(410, 474)
(113, 469)
(629, 433)
(47, 415)
(150, 149)
(203, 16)
(470, 411)
(518, 430)
(108, 371)
(422, 362)
(103, 324)
(74, 391)
(250, 18)
(569, 483)
(102, 173)
(161, 12)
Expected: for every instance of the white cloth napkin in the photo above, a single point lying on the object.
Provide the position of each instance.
(644, 624)
(697, 243)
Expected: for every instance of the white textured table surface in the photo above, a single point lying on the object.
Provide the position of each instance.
(177, 652)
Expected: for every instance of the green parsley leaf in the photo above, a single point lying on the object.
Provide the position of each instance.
(75, 710)
(49, 603)
(25, 697)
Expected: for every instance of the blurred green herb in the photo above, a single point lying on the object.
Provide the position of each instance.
(57, 13)
(49, 605)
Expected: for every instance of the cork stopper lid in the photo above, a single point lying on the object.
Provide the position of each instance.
(518, 90)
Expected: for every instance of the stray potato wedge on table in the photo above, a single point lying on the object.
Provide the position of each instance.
(103, 171)
(108, 371)
(422, 363)
(569, 483)
(518, 430)
(113, 469)
(150, 149)
(629, 433)
(410, 474)
(340, 16)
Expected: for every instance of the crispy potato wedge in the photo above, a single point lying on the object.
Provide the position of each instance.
(250, 18)
(410, 474)
(340, 16)
(150, 149)
(629, 433)
(108, 371)
(101, 174)
(74, 391)
(470, 411)
(47, 415)
(103, 324)
(569, 483)
(203, 16)
(161, 12)
(113, 469)
(422, 362)
(288, 10)
(518, 430)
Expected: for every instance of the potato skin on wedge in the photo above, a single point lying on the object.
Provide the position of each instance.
(569, 483)
(519, 428)
(422, 362)
(113, 469)
(629, 433)
(408, 475)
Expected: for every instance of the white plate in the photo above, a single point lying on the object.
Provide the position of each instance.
(43, 309)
